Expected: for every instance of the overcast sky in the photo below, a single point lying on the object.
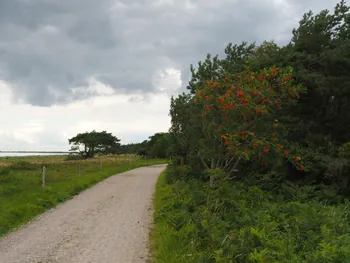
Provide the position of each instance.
(69, 66)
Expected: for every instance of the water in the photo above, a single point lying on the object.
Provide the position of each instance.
(29, 154)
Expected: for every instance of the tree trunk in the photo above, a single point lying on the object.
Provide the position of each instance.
(212, 166)
(211, 184)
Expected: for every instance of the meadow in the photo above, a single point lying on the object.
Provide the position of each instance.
(22, 196)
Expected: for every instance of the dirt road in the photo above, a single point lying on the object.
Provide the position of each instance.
(107, 223)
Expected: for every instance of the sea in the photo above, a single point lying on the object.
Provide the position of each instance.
(14, 154)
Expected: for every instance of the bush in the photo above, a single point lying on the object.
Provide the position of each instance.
(241, 222)
(5, 171)
(176, 172)
(74, 157)
(23, 165)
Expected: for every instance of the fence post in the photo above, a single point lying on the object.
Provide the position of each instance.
(43, 176)
(101, 165)
(79, 168)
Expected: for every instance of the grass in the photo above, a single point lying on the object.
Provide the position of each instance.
(246, 222)
(166, 245)
(22, 196)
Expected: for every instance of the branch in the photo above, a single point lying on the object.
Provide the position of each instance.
(204, 163)
(233, 169)
(229, 162)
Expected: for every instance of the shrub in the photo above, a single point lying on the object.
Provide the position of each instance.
(23, 165)
(74, 157)
(241, 222)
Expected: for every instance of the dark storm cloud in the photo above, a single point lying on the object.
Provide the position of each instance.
(48, 47)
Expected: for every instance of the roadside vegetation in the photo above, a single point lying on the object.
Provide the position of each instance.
(248, 221)
(22, 196)
(262, 153)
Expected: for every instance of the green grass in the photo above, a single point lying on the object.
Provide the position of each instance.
(244, 222)
(22, 196)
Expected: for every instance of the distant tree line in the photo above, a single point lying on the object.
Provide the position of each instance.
(88, 144)
(158, 145)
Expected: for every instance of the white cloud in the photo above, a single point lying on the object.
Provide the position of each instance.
(168, 80)
(116, 62)
(28, 127)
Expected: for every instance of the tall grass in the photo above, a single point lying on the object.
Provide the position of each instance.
(22, 196)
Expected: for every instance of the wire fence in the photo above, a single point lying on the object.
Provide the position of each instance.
(50, 169)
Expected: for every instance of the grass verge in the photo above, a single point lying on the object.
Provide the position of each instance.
(242, 222)
(21, 194)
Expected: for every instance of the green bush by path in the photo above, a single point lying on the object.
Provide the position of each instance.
(238, 222)
(21, 194)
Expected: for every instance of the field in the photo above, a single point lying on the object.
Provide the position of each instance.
(22, 196)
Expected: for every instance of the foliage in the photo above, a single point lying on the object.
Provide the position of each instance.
(90, 143)
(158, 145)
(241, 222)
(74, 157)
(317, 58)
(239, 111)
(249, 112)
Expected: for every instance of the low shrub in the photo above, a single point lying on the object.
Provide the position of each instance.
(241, 222)
(74, 157)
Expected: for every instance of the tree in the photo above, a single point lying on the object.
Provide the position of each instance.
(185, 126)
(91, 143)
(160, 145)
(238, 118)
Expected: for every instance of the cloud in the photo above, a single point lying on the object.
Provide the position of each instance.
(48, 48)
(71, 66)
(28, 127)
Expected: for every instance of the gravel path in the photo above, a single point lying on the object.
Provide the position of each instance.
(108, 223)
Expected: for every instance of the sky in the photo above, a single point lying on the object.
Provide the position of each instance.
(70, 66)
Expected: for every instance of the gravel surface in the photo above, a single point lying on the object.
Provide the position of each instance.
(108, 223)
